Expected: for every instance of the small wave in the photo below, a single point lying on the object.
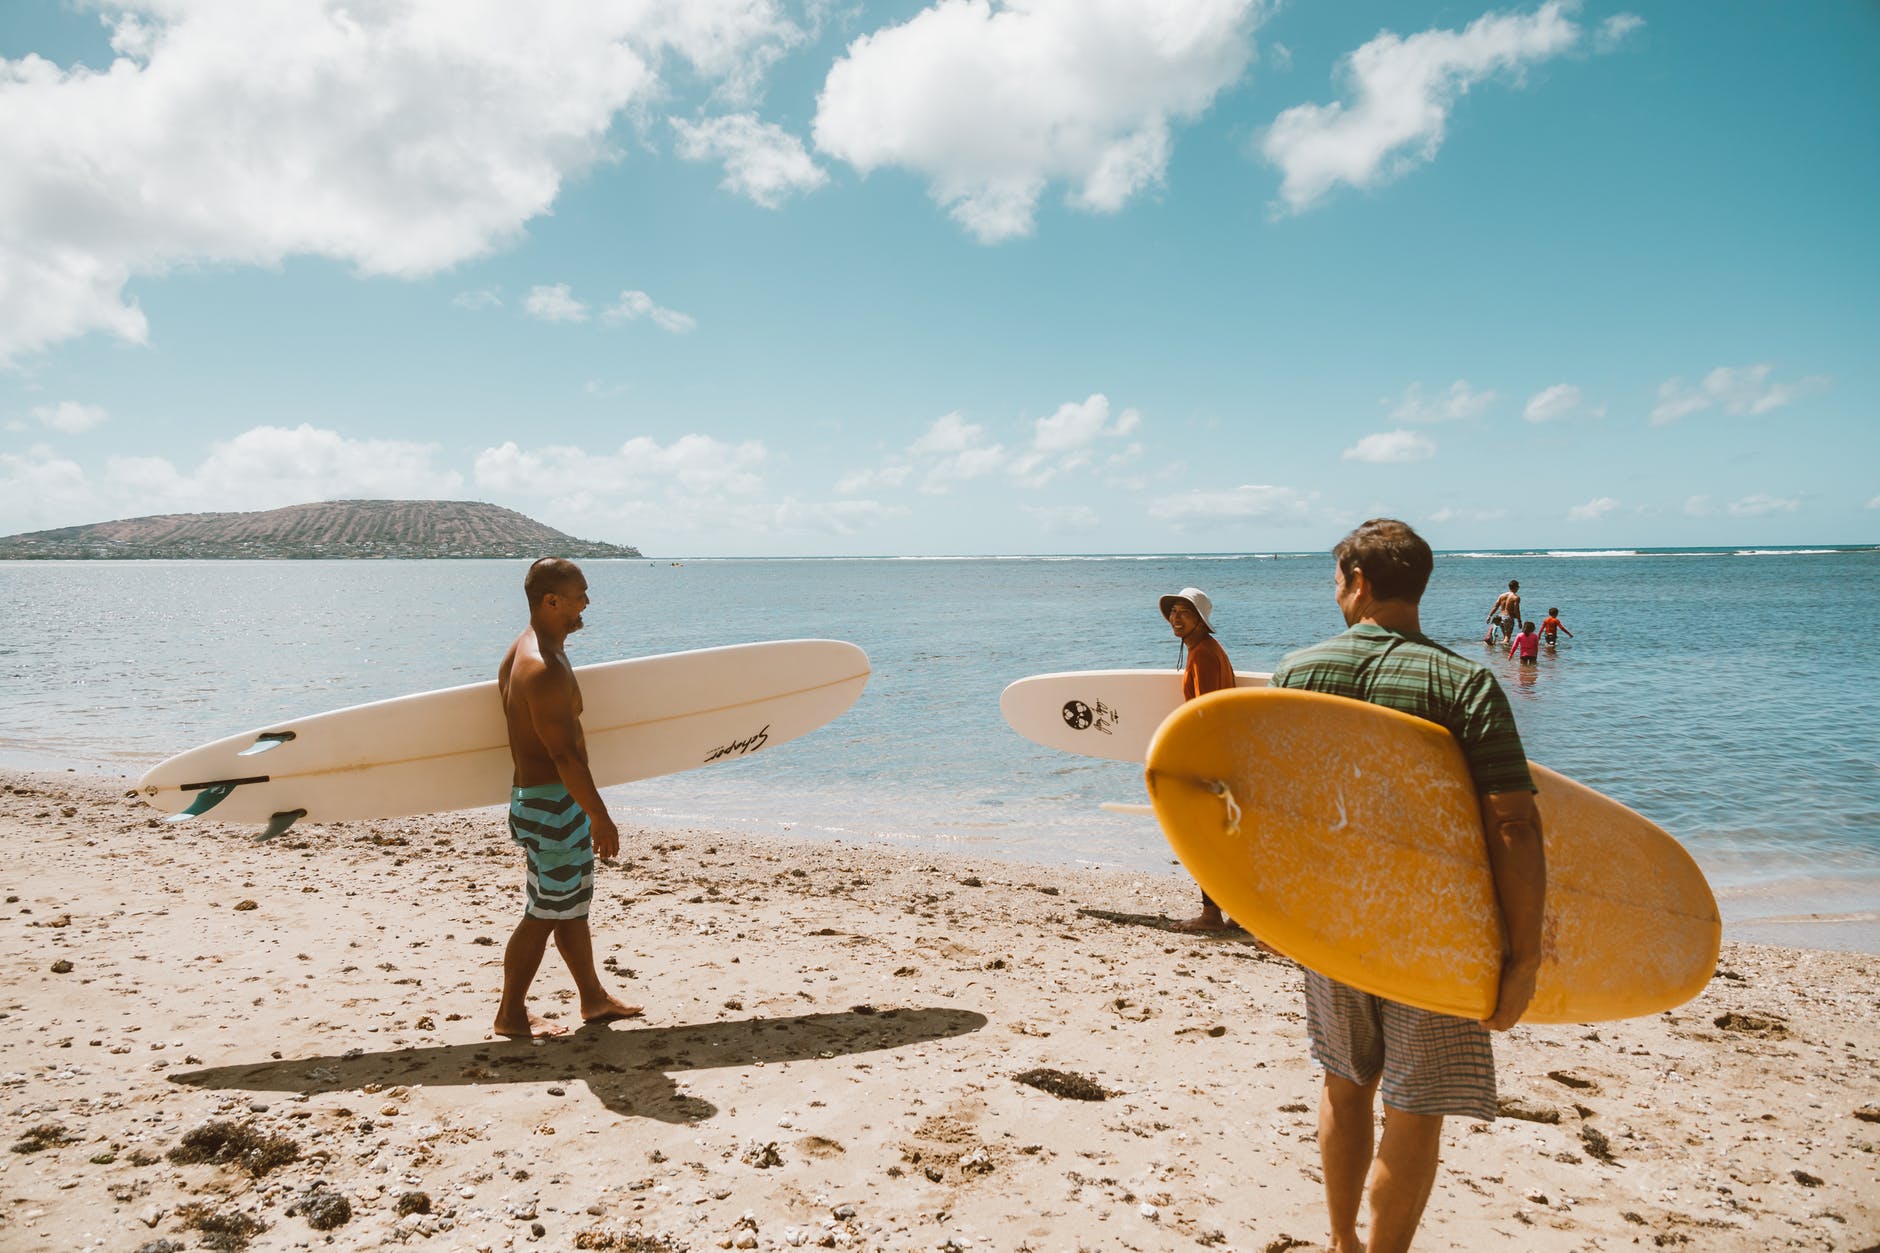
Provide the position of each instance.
(1781, 552)
(1591, 552)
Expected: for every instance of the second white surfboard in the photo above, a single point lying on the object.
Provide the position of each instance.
(1111, 714)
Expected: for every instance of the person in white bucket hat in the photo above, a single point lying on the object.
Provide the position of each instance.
(1190, 614)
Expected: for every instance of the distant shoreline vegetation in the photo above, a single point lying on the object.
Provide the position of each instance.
(342, 529)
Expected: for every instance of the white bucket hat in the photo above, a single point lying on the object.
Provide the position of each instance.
(1196, 597)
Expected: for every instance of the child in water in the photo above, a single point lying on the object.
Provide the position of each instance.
(1528, 644)
(1550, 624)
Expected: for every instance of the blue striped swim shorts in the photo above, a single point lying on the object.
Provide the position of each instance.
(1430, 1063)
(553, 830)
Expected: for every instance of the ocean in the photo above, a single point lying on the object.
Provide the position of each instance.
(1728, 695)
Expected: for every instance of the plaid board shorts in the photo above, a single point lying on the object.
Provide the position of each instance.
(553, 831)
(1430, 1063)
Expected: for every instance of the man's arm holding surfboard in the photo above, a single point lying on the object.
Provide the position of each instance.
(1511, 829)
(552, 695)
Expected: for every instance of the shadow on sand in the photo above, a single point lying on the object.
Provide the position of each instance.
(1162, 922)
(628, 1070)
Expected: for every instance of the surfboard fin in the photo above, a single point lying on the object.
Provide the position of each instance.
(206, 799)
(1125, 807)
(265, 741)
(280, 822)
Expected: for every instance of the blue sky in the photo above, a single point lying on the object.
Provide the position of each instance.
(755, 277)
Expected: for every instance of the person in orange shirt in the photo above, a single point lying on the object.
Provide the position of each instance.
(1550, 624)
(1190, 615)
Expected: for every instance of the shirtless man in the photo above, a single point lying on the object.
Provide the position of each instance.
(1506, 614)
(555, 811)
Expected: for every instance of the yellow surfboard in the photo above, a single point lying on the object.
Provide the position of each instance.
(1349, 837)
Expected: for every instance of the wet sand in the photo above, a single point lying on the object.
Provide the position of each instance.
(828, 1059)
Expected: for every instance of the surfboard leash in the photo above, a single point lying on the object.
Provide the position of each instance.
(1220, 789)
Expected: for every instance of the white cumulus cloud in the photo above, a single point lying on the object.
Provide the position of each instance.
(1391, 447)
(40, 488)
(761, 159)
(1743, 391)
(1553, 402)
(270, 466)
(892, 474)
(262, 468)
(1075, 426)
(950, 433)
(1066, 440)
(963, 466)
(70, 417)
(1593, 510)
(832, 517)
(634, 305)
(400, 138)
(992, 102)
(1064, 519)
(1762, 504)
(1455, 513)
(554, 303)
(1453, 404)
(695, 489)
(692, 465)
(1248, 502)
(1399, 94)
(1613, 31)
(953, 450)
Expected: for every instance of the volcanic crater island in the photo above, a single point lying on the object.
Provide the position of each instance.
(328, 529)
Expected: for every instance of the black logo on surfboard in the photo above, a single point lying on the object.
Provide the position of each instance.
(1096, 715)
(738, 748)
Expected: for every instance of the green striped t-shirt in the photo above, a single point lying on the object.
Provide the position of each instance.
(1415, 674)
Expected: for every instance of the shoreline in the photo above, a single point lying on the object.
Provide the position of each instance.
(828, 1058)
(1795, 911)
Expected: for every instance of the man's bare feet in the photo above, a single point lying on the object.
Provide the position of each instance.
(531, 1028)
(1205, 924)
(609, 1009)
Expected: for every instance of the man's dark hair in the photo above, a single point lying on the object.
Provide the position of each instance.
(1394, 558)
(548, 574)
(1514, 585)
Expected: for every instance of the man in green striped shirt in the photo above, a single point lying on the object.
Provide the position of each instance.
(1426, 1065)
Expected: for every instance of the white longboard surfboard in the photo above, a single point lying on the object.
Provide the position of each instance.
(1111, 714)
(449, 749)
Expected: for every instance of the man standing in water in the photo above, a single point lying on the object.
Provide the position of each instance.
(1506, 614)
(1189, 614)
(1427, 1065)
(555, 811)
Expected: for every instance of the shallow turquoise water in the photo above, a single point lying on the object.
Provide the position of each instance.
(1729, 697)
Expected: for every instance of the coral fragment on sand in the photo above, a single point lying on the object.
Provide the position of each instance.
(256, 1152)
(1064, 1084)
(47, 1135)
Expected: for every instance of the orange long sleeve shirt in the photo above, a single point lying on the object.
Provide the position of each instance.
(1208, 669)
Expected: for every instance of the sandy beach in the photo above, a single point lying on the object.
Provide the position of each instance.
(206, 1042)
